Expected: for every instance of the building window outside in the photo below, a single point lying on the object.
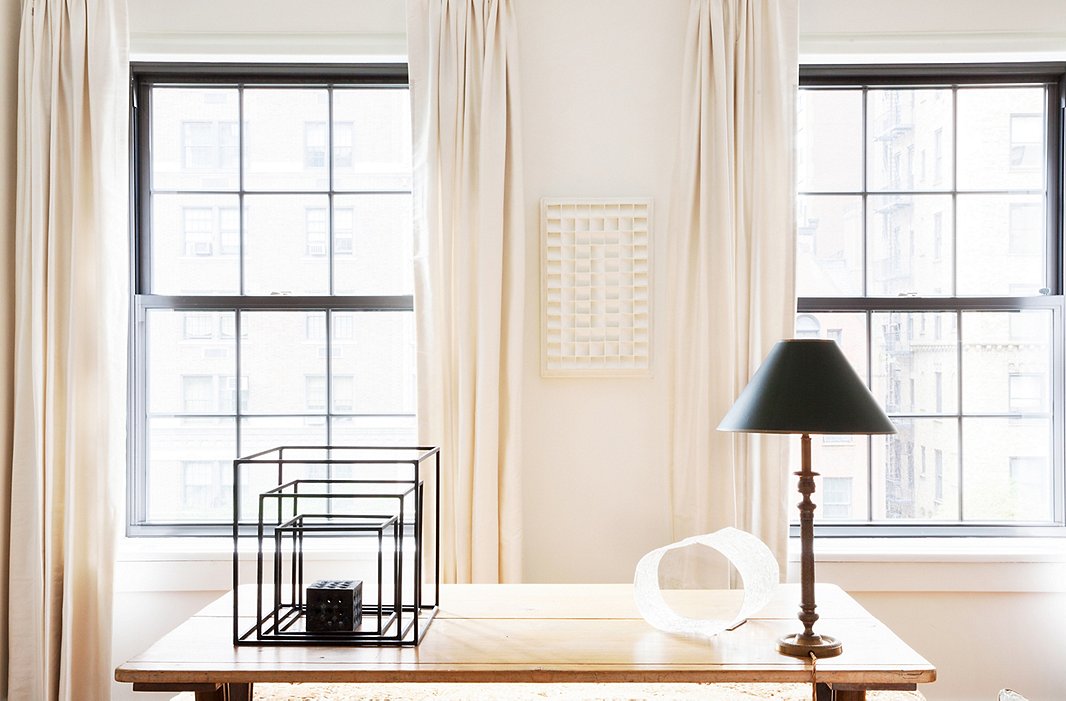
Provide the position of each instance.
(316, 231)
(206, 487)
(1026, 140)
(836, 501)
(240, 289)
(1027, 392)
(342, 144)
(199, 231)
(940, 281)
(207, 145)
(1026, 229)
(316, 144)
(198, 326)
(229, 231)
(807, 326)
(197, 393)
(343, 230)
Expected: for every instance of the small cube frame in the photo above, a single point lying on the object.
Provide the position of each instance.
(288, 612)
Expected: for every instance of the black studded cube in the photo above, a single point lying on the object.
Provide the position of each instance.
(334, 605)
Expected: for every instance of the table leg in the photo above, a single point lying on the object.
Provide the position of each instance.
(226, 692)
(237, 692)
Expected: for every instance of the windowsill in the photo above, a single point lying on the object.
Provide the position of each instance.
(946, 550)
(1019, 565)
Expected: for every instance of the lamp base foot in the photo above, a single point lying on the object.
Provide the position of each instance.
(800, 645)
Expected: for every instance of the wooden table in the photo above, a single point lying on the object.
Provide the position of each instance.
(546, 633)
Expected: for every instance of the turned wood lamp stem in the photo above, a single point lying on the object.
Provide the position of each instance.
(807, 642)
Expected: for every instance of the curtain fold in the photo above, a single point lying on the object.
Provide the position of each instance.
(731, 261)
(71, 311)
(469, 285)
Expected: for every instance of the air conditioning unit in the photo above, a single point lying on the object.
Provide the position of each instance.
(317, 248)
(202, 248)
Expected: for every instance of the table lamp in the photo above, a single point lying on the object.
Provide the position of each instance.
(806, 386)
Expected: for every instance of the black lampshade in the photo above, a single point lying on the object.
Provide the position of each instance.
(806, 386)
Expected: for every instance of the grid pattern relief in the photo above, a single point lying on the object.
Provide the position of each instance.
(596, 286)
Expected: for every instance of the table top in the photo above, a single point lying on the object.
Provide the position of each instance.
(552, 633)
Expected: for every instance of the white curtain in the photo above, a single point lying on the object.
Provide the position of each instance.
(70, 346)
(731, 261)
(468, 275)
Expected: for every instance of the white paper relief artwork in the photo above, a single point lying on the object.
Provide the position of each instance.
(749, 555)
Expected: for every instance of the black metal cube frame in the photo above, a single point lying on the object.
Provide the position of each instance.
(280, 521)
(288, 613)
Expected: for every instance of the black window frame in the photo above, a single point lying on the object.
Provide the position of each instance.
(143, 76)
(1052, 75)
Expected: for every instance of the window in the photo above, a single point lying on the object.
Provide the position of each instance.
(807, 326)
(317, 234)
(316, 143)
(1026, 229)
(1027, 392)
(199, 231)
(836, 500)
(250, 329)
(207, 145)
(343, 230)
(926, 198)
(205, 487)
(1029, 490)
(198, 326)
(1026, 140)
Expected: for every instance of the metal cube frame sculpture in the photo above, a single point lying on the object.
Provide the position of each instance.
(377, 493)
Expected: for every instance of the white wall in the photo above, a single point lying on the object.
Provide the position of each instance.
(601, 105)
(600, 92)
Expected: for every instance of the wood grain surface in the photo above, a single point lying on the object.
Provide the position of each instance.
(550, 633)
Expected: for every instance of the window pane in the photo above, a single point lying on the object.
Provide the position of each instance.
(275, 358)
(1007, 474)
(1002, 242)
(278, 259)
(188, 361)
(829, 141)
(260, 433)
(909, 139)
(916, 471)
(286, 139)
(394, 429)
(1006, 361)
(380, 361)
(298, 178)
(916, 362)
(373, 244)
(1001, 138)
(829, 246)
(372, 139)
(910, 246)
(194, 244)
(194, 139)
(190, 464)
(264, 433)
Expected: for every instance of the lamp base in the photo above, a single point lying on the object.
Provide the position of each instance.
(800, 645)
